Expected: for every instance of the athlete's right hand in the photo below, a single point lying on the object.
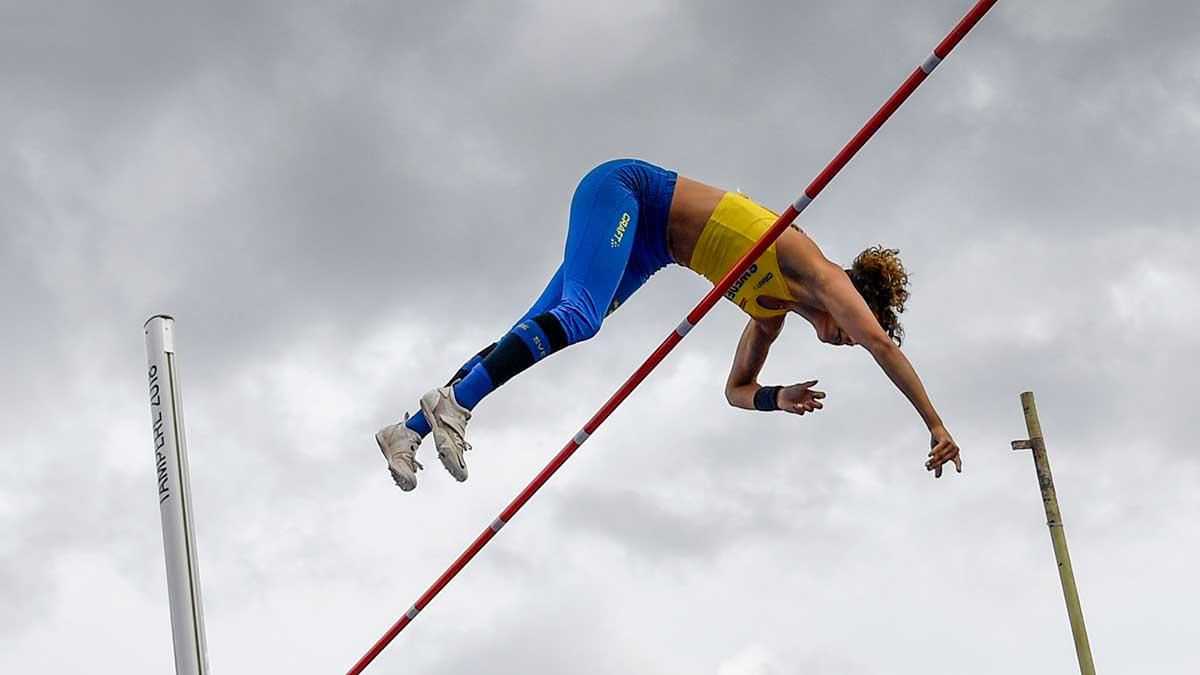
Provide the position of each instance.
(944, 450)
(800, 398)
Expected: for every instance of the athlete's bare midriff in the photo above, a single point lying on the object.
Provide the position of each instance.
(691, 206)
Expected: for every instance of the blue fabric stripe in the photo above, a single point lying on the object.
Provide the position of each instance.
(534, 338)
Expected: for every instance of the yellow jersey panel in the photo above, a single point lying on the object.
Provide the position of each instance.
(732, 229)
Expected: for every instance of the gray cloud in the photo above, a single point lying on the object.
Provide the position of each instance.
(341, 204)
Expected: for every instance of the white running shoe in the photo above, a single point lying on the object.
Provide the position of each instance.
(399, 444)
(448, 420)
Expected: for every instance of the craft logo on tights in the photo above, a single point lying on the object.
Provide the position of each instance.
(620, 233)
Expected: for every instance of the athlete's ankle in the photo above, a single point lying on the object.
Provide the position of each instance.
(419, 424)
(470, 390)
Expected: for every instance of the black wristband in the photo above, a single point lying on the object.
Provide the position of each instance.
(765, 398)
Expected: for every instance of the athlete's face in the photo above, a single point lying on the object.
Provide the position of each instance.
(829, 332)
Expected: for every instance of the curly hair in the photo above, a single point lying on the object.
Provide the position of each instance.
(882, 281)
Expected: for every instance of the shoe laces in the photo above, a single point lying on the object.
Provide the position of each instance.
(408, 458)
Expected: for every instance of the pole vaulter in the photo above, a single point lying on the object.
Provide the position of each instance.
(710, 300)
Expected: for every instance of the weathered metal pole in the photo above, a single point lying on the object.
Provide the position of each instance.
(175, 499)
(1066, 573)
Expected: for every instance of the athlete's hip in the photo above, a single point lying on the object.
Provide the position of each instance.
(636, 196)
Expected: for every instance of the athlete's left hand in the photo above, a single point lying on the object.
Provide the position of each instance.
(800, 398)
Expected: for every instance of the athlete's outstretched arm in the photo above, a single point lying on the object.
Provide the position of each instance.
(748, 361)
(851, 313)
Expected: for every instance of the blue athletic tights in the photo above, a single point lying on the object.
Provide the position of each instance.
(605, 262)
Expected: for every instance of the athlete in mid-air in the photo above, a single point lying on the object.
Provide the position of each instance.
(630, 219)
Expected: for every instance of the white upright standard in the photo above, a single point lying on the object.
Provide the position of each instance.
(175, 499)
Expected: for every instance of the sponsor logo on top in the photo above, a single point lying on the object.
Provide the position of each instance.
(737, 285)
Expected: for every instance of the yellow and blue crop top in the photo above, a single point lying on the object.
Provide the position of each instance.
(732, 229)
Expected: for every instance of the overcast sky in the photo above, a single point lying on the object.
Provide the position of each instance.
(340, 204)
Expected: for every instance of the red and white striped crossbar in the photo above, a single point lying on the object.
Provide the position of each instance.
(810, 193)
